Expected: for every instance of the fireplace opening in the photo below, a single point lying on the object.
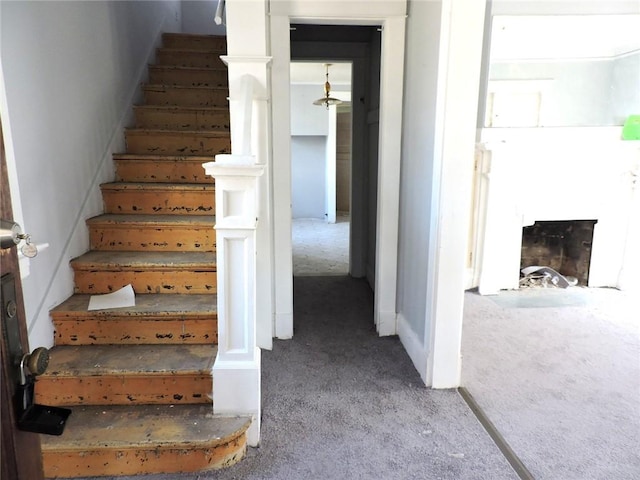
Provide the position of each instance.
(564, 246)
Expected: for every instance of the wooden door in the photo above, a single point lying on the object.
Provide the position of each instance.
(21, 458)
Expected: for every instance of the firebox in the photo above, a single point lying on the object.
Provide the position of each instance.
(564, 246)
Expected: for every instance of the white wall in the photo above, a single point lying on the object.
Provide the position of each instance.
(198, 15)
(309, 131)
(308, 176)
(71, 73)
(417, 216)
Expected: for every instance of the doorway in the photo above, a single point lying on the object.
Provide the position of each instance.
(321, 167)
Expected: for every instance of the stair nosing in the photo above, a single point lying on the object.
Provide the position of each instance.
(165, 131)
(160, 157)
(180, 67)
(189, 108)
(70, 444)
(157, 186)
(114, 219)
(75, 307)
(123, 260)
(147, 86)
(192, 50)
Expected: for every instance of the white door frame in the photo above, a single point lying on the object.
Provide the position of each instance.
(392, 17)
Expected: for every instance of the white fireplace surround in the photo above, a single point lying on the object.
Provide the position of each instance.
(525, 175)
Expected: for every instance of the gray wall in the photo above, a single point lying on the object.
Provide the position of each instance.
(417, 215)
(198, 17)
(308, 176)
(71, 72)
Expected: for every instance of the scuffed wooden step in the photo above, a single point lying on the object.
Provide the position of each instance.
(152, 233)
(191, 76)
(158, 198)
(182, 118)
(155, 319)
(186, 96)
(185, 57)
(135, 440)
(148, 272)
(161, 168)
(177, 142)
(195, 42)
(127, 375)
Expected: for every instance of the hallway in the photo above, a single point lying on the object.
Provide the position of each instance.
(342, 403)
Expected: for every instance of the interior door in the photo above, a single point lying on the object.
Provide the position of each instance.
(21, 458)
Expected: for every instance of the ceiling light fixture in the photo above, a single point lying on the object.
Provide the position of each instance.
(327, 99)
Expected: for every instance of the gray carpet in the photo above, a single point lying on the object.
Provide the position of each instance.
(561, 383)
(342, 403)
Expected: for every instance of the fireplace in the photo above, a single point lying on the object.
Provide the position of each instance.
(562, 245)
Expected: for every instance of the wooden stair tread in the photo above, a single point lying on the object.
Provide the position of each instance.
(156, 87)
(165, 132)
(186, 69)
(157, 186)
(178, 108)
(131, 360)
(104, 260)
(164, 158)
(152, 426)
(152, 220)
(153, 305)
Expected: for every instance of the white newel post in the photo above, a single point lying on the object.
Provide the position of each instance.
(236, 372)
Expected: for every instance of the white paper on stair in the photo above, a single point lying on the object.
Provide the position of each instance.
(125, 297)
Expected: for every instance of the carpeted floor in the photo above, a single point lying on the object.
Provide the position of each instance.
(558, 373)
(339, 402)
(320, 248)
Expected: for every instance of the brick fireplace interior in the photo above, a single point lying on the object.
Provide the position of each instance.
(564, 246)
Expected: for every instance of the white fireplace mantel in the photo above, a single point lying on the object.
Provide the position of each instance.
(526, 175)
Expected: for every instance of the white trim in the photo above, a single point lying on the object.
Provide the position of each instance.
(456, 113)
(413, 345)
(392, 16)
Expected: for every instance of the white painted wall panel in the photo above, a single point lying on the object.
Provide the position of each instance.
(308, 176)
(71, 72)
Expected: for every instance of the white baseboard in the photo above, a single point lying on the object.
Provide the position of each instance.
(413, 345)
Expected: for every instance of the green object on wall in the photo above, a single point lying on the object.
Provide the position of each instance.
(631, 128)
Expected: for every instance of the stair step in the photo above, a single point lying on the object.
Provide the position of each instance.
(191, 76)
(134, 440)
(152, 233)
(186, 96)
(159, 198)
(177, 142)
(156, 319)
(127, 375)
(186, 57)
(139, 168)
(182, 118)
(148, 272)
(192, 41)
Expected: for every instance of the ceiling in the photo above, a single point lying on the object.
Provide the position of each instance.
(314, 73)
(564, 36)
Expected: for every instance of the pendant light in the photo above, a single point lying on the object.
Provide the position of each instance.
(327, 99)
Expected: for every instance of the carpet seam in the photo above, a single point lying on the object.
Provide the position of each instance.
(518, 466)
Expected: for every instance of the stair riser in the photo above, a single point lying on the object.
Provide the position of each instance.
(169, 202)
(192, 78)
(180, 120)
(217, 44)
(181, 238)
(147, 331)
(167, 282)
(124, 390)
(138, 461)
(174, 143)
(179, 171)
(189, 59)
(187, 97)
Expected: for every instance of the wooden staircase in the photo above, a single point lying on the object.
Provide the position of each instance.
(138, 380)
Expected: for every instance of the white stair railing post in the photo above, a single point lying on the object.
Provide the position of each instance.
(236, 371)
